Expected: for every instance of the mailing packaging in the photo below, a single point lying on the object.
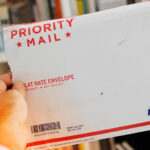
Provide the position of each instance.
(87, 77)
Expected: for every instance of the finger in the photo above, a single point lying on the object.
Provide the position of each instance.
(7, 78)
(20, 87)
(3, 86)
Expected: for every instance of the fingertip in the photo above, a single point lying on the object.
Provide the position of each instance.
(7, 78)
(20, 87)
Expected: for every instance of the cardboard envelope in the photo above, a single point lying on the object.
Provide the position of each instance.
(87, 77)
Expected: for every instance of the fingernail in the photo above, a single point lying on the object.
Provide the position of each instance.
(19, 84)
(20, 87)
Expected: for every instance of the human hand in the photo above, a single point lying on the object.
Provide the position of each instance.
(13, 112)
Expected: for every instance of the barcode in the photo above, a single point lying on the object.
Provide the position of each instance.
(45, 127)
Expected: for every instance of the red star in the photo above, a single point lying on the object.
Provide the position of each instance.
(68, 34)
(19, 44)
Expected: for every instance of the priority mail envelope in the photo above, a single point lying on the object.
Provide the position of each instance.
(87, 77)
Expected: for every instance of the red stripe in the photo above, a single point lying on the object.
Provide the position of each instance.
(88, 134)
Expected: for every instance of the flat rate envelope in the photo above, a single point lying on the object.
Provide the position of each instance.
(87, 77)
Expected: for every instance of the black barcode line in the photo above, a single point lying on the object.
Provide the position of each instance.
(45, 127)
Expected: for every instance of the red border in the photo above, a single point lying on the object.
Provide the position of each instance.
(88, 134)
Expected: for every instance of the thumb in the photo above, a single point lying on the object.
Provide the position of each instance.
(20, 87)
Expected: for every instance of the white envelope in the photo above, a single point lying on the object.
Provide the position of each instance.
(87, 77)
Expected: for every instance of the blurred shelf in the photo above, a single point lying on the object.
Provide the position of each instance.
(2, 57)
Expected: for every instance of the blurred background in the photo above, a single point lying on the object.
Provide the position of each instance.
(24, 11)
